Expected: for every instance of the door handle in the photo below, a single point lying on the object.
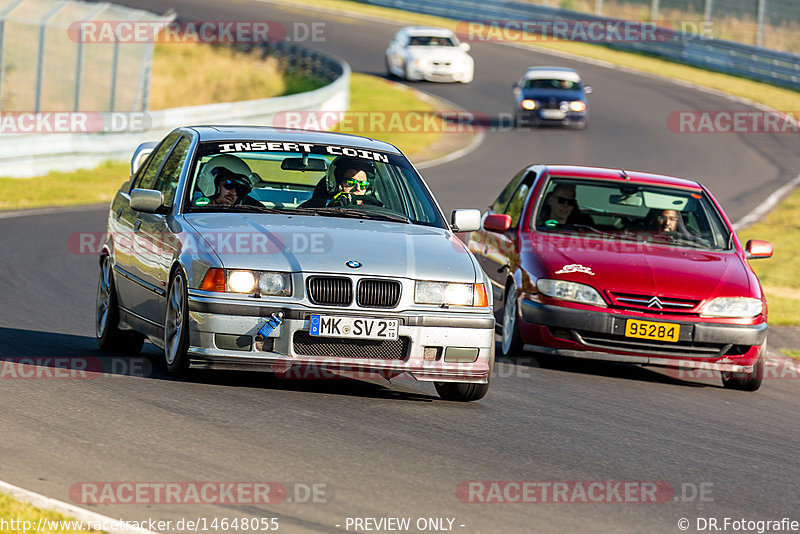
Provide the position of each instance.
(137, 225)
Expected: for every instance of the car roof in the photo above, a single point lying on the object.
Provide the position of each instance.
(557, 73)
(428, 30)
(267, 133)
(620, 175)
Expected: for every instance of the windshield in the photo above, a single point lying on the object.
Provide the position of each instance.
(309, 179)
(429, 40)
(550, 83)
(632, 212)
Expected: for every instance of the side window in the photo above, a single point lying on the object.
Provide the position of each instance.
(517, 204)
(146, 179)
(167, 181)
(499, 205)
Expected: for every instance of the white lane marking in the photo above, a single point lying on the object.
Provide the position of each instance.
(46, 503)
(55, 209)
(770, 202)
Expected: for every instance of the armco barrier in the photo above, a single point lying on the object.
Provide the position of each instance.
(778, 68)
(28, 155)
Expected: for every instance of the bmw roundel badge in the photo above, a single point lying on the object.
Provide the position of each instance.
(353, 264)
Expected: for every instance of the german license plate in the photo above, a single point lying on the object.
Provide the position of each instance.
(650, 330)
(353, 327)
(553, 114)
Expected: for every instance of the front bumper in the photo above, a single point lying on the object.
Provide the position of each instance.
(222, 336)
(538, 116)
(443, 74)
(601, 335)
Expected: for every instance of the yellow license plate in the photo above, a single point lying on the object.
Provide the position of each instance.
(649, 330)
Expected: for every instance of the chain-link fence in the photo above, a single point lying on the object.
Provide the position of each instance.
(773, 24)
(47, 65)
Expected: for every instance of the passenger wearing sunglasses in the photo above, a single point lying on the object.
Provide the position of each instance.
(352, 185)
(231, 187)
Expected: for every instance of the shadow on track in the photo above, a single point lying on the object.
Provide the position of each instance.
(623, 371)
(31, 354)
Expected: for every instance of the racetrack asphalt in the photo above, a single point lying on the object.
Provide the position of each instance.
(396, 449)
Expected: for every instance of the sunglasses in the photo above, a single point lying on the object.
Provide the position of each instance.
(230, 185)
(567, 201)
(361, 184)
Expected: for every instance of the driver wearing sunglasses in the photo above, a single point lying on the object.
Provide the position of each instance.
(561, 207)
(231, 187)
(352, 188)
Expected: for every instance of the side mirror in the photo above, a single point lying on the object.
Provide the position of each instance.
(588, 89)
(497, 222)
(515, 85)
(146, 200)
(140, 155)
(465, 220)
(464, 46)
(757, 249)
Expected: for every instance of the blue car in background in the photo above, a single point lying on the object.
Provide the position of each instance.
(551, 95)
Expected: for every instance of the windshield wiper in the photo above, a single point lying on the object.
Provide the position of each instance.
(241, 207)
(361, 214)
(689, 242)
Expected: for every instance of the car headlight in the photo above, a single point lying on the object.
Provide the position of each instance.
(577, 105)
(247, 282)
(241, 281)
(572, 291)
(274, 283)
(451, 294)
(732, 307)
(420, 63)
(528, 104)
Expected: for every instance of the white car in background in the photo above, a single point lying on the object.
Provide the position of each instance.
(432, 54)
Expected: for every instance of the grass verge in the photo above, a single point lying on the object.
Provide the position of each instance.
(227, 75)
(795, 354)
(780, 275)
(376, 98)
(19, 514)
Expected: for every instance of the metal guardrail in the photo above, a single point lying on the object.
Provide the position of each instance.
(45, 65)
(778, 68)
(28, 155)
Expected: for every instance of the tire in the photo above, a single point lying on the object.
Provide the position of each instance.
(389, 74)
(511, 342)
(463, 391)
(747, 381)
(107, 331)
(176, 326)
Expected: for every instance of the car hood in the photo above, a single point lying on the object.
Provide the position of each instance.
(448, 53)
(325, 244)
(646, 269)
(545, 94)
